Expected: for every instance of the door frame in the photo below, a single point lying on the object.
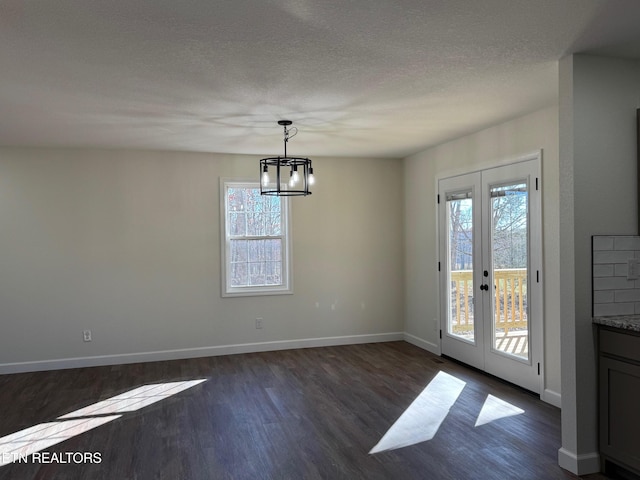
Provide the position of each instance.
(536, 256)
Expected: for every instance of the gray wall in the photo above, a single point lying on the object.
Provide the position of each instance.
(598, 184)
(127, 244)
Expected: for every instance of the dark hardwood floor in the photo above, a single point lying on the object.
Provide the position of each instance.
(295, 414)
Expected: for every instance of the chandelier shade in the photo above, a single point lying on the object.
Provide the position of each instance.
(284, 175)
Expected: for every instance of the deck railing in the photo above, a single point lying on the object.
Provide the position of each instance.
(510, 291)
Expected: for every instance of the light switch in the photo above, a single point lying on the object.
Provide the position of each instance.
(633, 269)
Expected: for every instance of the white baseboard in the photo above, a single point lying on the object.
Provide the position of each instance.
(120, 359)
(579, 464)
(551, 397)
(424, 344)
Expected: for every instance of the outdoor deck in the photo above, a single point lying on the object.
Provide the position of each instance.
(510, 307)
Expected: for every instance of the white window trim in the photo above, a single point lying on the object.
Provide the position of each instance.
(225, 258)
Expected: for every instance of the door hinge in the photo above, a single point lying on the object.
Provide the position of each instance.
(538, 368)
(438, 198)
(440, 333)
(536, 183)
(438, 266)
(537, 276)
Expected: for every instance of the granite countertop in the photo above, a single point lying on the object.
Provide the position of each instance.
(624, 322)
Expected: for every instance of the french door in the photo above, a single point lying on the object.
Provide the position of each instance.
(490, 269)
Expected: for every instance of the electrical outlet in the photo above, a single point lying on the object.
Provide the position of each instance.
(86, 335)
(259, 322)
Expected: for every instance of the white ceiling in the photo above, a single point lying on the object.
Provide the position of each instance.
(357, 77)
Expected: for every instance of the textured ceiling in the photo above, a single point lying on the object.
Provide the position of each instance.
(358, 77)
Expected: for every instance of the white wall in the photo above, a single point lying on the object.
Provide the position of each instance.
(493, 146)
(599, 97)
(127, 244)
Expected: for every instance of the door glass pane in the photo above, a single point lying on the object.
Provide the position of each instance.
(460, 266)
(509, 234)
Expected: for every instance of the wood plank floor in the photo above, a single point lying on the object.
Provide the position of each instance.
(296, 414)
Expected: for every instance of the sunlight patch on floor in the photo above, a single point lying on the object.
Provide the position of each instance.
(495, 409)
(134, 399)
(422, 419)
(20, 445)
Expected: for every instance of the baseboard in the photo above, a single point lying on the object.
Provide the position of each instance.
(551, 397)
(579, 464)
(120, 359)
(424, 344)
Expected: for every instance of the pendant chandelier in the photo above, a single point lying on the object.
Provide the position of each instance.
(292, 176)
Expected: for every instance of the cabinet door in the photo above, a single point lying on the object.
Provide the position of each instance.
(619, 412)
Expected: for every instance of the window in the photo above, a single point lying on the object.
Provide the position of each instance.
(256, 241)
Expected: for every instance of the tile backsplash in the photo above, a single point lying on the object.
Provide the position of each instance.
(613, 293)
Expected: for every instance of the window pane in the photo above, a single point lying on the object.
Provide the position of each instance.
(254, 199)
(237, 224)
(255, 224)
(256, 273)
(460, 317)
(236, 199)
(238, 251)
(509, 238)
(273, 276)
(239, 275)
(273, 224)
(256, 250)
(273, 250)
(263, 260)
